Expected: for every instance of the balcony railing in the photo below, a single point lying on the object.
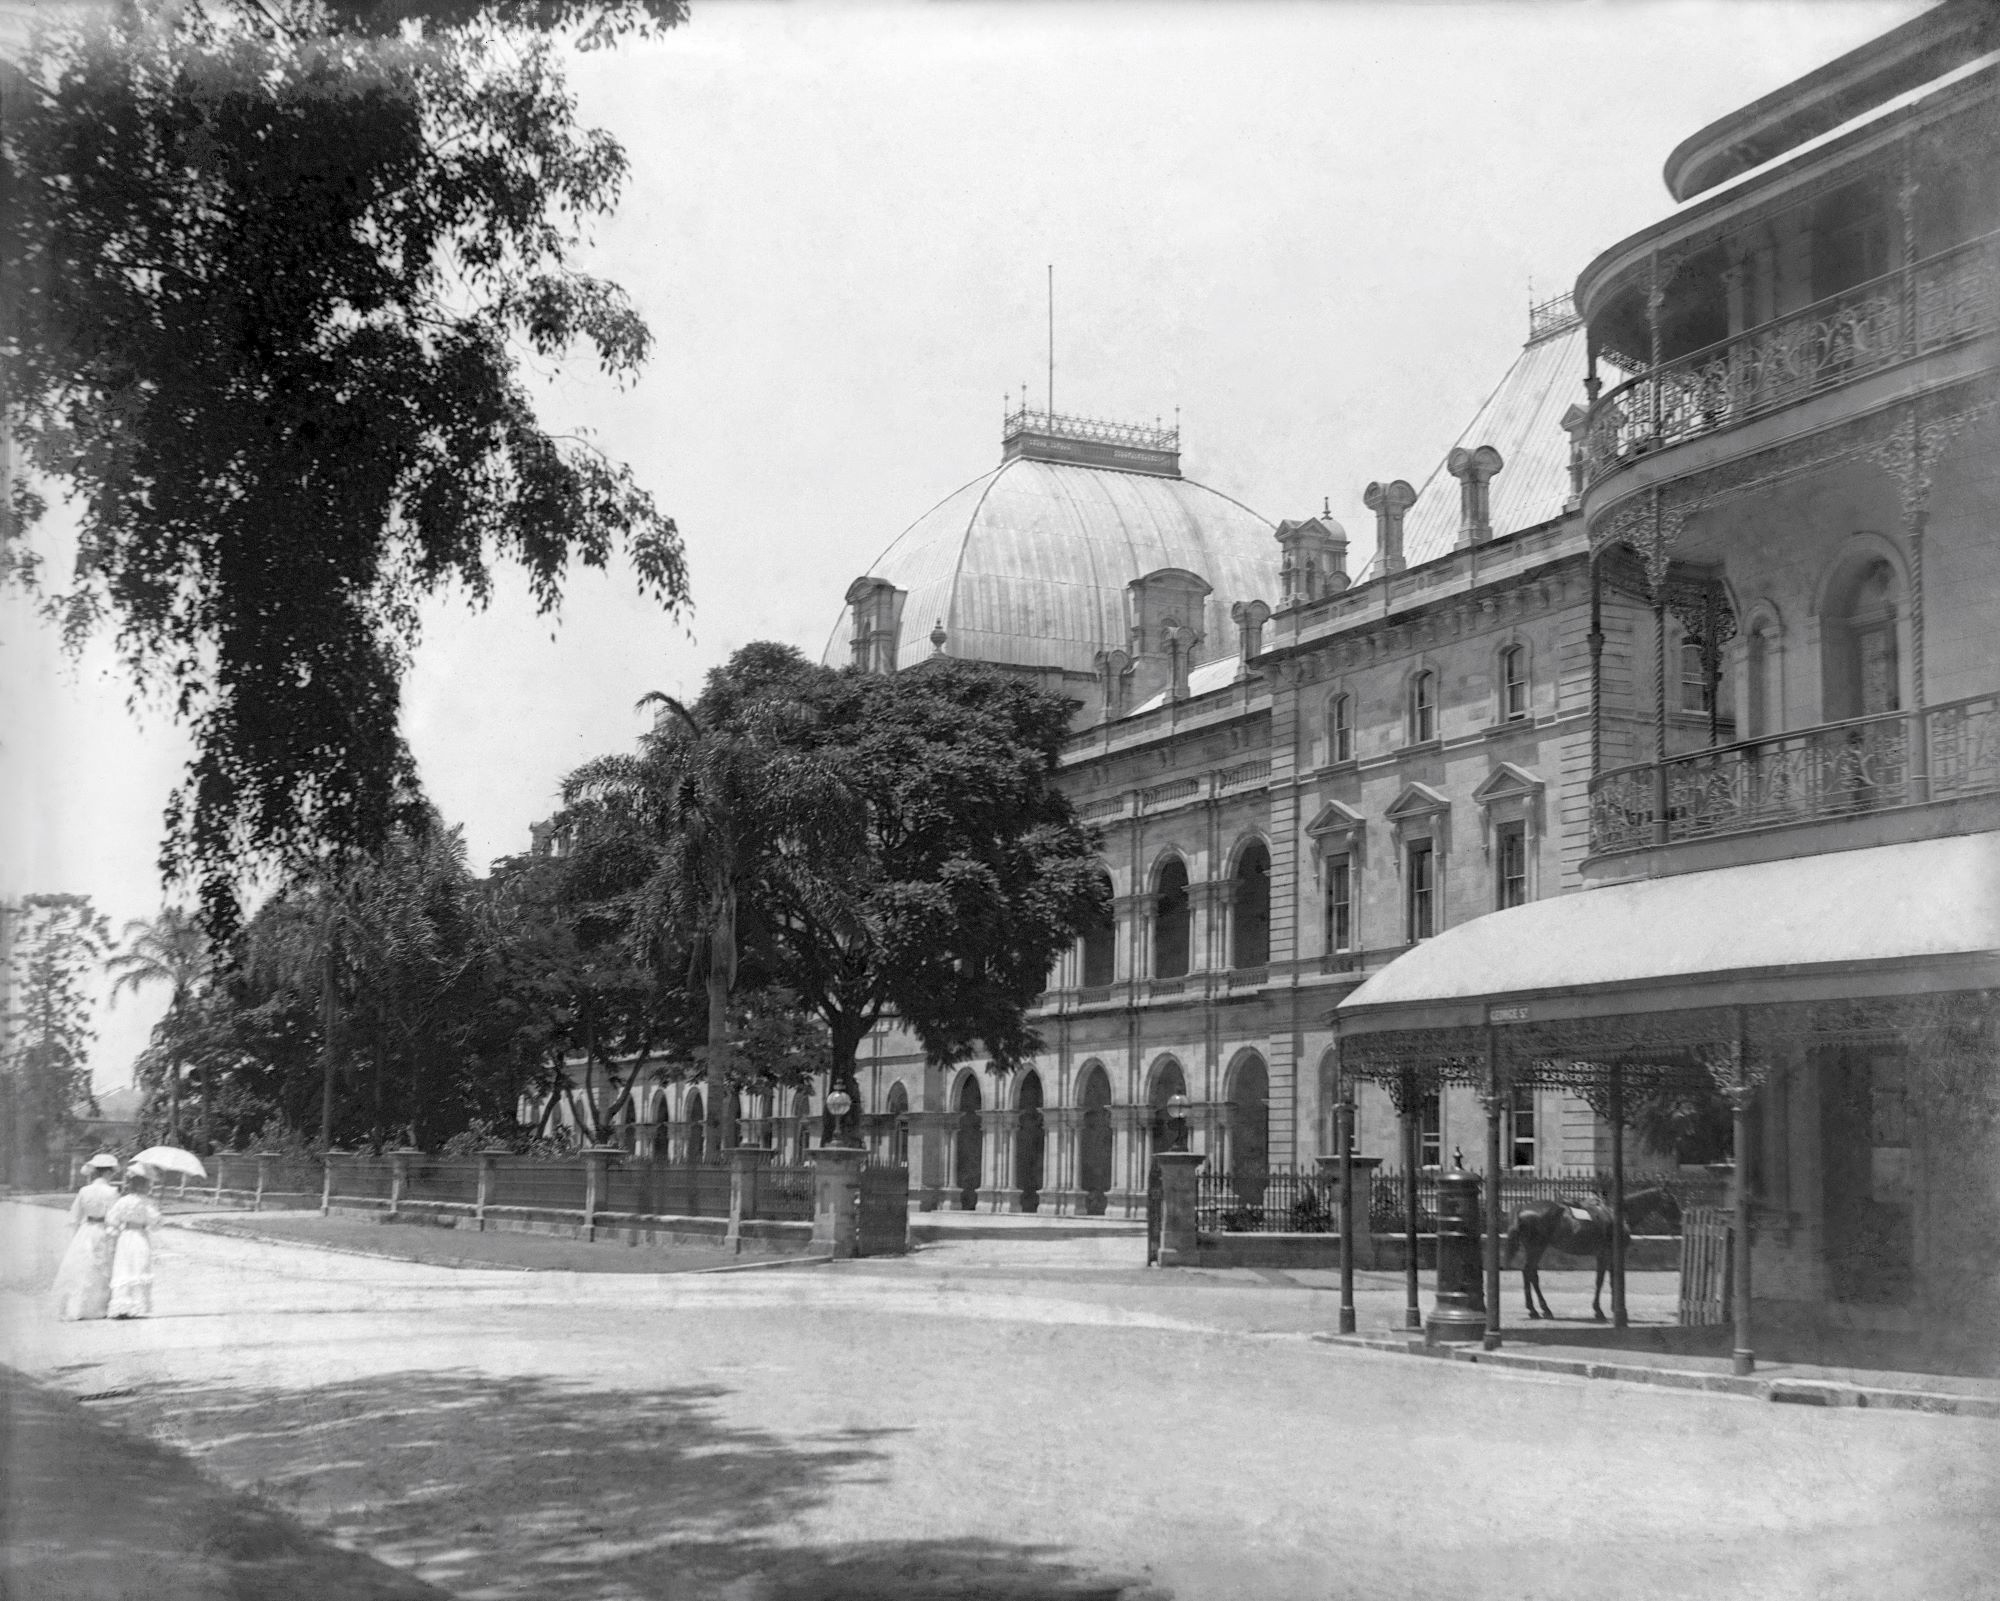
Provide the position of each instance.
(1846, 769)
(1939, 302)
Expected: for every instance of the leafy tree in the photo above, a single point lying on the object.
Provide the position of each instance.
(167, 951)
(268, 269)
(570, 985)
(53, 942)
(971, 873)
(727, 800)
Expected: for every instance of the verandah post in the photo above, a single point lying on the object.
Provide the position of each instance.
(1617, 1105)
(1491, 1340)
(1343, 1138)
(1743, 1358)
(1413, 1314)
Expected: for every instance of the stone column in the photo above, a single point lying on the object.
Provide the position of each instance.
(489, 1161)
(596, 1169)
(1001, 1127)
(1128, 1185)
(930, 1140)
(1180, 1244)
(399, 1176)
(746, 1163)
(837, 1200)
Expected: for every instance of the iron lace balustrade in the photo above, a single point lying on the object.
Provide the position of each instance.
(1835, 770)
(1941, 301)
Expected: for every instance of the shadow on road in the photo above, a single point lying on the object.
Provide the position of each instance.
(88, 1513)
(532, 1488)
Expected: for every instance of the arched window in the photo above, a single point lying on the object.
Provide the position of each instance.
(968, 1147)
(1514, 683)
(1094, 1139)
(1423, 708)
(899, 1125)
(1861, 662)
(1171, 917)
(1249, 1152)
(1168, 1081)
(1100, 945)
(1250, 909)
(1340, 729)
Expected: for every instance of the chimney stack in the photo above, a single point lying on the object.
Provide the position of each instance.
(1250, 616)
(1389, 502)
(1473, 469)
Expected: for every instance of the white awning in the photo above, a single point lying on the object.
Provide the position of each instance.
(1833, 919)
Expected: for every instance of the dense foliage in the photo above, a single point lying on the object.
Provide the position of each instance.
(269, 269)
(53, 947)
(902, 849)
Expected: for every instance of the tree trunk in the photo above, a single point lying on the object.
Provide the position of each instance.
(720, 1111)
(326, 1040)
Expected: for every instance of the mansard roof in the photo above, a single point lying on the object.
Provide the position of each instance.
(1522, 419)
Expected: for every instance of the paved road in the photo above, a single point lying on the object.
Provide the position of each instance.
(926, 1429)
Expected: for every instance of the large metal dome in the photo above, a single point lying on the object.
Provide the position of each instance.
(1028, 564)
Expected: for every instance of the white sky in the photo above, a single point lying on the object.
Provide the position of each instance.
(1311, 227)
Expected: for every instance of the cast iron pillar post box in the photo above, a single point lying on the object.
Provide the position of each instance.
(1459, 1312)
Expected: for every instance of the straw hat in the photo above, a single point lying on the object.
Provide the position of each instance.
(102, 1160)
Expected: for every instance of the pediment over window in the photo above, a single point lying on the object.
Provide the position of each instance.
(1417, 800)
(1336, 819)
(1338, 828)
(1508, 782)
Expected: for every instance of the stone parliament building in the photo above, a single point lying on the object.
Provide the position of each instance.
(1663, 722)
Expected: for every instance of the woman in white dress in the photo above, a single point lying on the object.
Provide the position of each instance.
(83, 1281)
(131, 1222)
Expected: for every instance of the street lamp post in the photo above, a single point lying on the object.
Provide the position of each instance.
(838, 1104)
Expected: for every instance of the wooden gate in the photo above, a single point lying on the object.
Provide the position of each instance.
(885, 1211)
(1705, 1266)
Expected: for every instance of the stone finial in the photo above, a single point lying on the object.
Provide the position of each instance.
(938, 637)
(1250, 616)
(1389, 502)
(1474, 469)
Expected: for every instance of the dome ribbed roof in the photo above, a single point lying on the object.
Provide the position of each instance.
(1028, 564)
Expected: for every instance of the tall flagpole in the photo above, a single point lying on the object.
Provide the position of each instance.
(1052, 339)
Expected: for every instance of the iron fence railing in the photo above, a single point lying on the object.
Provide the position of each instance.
(785, 1194)
(1282, 1200)
(630, 1186)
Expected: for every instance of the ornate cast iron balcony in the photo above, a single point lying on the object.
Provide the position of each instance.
(1813, 774)
(1942, 301)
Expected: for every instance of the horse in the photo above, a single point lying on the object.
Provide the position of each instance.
(1578, 1230)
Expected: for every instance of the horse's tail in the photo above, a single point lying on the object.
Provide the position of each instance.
(1513, 1241)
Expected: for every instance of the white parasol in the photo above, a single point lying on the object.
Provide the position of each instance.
(170, 1159)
